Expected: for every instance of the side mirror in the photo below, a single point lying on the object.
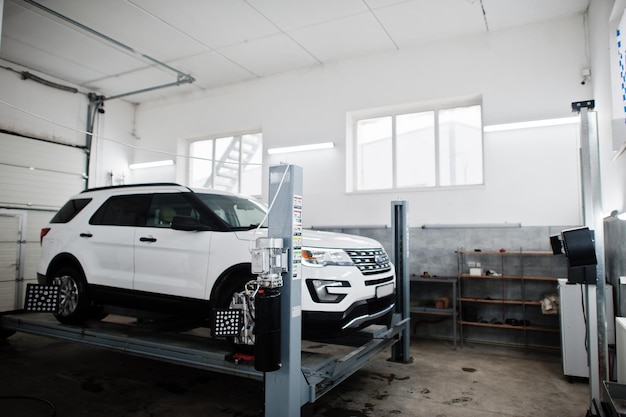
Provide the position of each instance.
(187, 223)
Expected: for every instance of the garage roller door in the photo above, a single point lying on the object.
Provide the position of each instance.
(10, 237)
(36, 178)
(39, 174)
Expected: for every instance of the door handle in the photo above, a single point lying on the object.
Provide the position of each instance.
(147, 239)
(86, 235)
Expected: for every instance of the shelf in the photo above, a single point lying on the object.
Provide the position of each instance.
(525, 277)
(433, 311)
(442, 280)
(499, 301)
(513, 292)
(508, 326)
(438, 285)
(495, 252)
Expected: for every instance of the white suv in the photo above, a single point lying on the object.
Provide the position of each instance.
(166, 248)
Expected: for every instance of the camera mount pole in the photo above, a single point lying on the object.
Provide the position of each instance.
(593, 218)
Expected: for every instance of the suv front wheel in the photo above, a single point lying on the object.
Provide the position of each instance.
(74, 302)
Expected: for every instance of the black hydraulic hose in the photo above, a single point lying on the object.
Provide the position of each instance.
(53, 409)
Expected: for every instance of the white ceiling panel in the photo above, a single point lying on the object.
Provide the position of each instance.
(212, 70)
(290, 15)
(377, 4)
(215, 23)
(227, 41)
(424, 21)
(269, 55)
(41, 34)
(46, 62)
(128, 24)
(502, 14)
(344, 38)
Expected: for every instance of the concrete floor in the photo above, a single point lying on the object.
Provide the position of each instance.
(81, 381)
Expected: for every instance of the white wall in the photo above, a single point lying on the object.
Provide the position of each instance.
(114, 145)
(523, 74)
(607, 92)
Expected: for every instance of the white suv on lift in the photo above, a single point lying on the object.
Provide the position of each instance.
(166, 248)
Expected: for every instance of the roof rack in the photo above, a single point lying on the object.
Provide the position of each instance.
(149, 184)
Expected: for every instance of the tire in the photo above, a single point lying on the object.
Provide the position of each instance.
(74, 302)
(233, 284)
(223, 297)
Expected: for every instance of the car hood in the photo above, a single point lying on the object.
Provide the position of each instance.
(320, 239)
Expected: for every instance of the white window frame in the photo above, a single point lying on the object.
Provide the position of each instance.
(352, 168)
(238, 136)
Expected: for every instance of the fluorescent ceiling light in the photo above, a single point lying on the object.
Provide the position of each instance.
(153, 164)
(532, 123)
(301, 148)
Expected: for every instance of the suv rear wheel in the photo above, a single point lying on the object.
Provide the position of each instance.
(74, 302)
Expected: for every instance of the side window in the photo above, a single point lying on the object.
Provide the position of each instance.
(164, 207)
(70, 210)
(123, 210)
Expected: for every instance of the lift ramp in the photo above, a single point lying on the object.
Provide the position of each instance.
(325, 364)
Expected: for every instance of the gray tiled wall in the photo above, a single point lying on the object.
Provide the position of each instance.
(433, 250)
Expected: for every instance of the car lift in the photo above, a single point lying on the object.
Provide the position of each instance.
(306, 371)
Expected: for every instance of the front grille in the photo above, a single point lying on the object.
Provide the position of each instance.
(370, 261)
(379, 281)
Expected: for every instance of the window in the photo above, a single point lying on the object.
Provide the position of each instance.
(124, 210)
(70, 210)
(235, 211)
(164, 206)
(433, 148)
(230, 163)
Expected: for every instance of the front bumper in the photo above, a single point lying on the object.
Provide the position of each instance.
(358, 315)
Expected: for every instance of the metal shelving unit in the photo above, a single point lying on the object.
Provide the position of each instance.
(507, 289)
(440, 312)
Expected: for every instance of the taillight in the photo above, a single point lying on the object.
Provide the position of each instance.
(42, 234)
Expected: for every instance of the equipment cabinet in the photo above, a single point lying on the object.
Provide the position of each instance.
(509, 297)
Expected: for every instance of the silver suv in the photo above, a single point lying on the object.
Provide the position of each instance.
(169, 249)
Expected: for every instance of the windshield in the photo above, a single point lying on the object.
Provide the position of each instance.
(238, 212)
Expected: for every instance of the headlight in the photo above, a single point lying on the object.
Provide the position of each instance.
(326, 291)
(323, 257)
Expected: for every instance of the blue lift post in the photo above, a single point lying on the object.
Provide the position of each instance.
(286, 388)
(400, 352)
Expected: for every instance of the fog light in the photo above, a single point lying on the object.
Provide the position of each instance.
(325, 291)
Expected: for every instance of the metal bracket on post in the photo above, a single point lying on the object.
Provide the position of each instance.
(268, 259)
(400, 352)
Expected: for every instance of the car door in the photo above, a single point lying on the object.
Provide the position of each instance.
(168, 261)
(107, 241)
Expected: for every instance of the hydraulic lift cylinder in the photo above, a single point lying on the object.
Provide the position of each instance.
(267, 330)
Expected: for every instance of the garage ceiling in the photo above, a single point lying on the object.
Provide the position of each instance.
(216, 42)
